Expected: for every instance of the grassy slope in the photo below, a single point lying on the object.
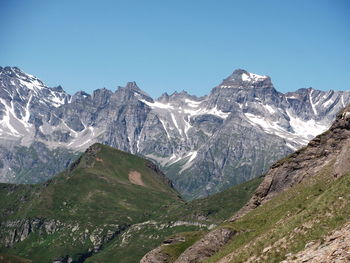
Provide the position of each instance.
(92, 196)
(289, 221)
(87, 193)
(6, 258)
(215, 208)
(101, 197)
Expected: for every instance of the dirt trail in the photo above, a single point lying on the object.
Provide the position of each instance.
(135, 178)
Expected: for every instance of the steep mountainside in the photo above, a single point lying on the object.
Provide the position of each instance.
(35, 163)
(109, 206)
(203, 144)
(294, 212)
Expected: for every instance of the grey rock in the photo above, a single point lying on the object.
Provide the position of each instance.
(207, 246)
(18, 230)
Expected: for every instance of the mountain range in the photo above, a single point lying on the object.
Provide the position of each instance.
(203, 144)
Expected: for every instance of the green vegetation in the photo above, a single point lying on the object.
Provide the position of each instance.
(220, 206)
(6, 258)
(285, 224)
(97, 211)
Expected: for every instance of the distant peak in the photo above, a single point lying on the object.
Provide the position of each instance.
(241, 77)
(17, 71)
(132, 85)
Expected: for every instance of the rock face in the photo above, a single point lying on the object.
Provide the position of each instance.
(33, 164)
(18, 230)
(207, 246)
(204, 144)
(157, 255)
(331, 148)
(335, 248)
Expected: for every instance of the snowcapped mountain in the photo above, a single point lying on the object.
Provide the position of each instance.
(203, 143)
(24, 101)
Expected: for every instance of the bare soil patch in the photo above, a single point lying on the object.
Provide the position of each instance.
(135, 178)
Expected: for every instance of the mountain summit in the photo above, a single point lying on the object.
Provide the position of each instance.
(242, 78)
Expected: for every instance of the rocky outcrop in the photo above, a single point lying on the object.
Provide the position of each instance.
(328, 152)
(157, 255)
(334, 248)
(15, 231)
(12, 232)
(207, 246)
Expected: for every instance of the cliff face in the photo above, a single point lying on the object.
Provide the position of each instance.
(335, 248)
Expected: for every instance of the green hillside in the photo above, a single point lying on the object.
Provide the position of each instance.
(109, 206)
(302, 214)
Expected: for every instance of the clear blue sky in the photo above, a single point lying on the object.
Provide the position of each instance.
(177, 45)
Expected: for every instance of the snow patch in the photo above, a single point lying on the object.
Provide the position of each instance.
(303, 130)
(327, 103)
(212, 111)
(269, 108)
(312, 104)
(253, 77)
(306, 129)
(193, 103)
(32, 84)
(175, 123)
(157, 104)
(164, 126)
(55, 100)
(187, 125)
(188, 164)
(7, 119)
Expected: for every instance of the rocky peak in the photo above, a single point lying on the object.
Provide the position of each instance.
(132, 85)
(180, 96)
(131, 89)
(80, 95)
(58, 88)
(14, 72)
(164, 97)
(242, 78)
